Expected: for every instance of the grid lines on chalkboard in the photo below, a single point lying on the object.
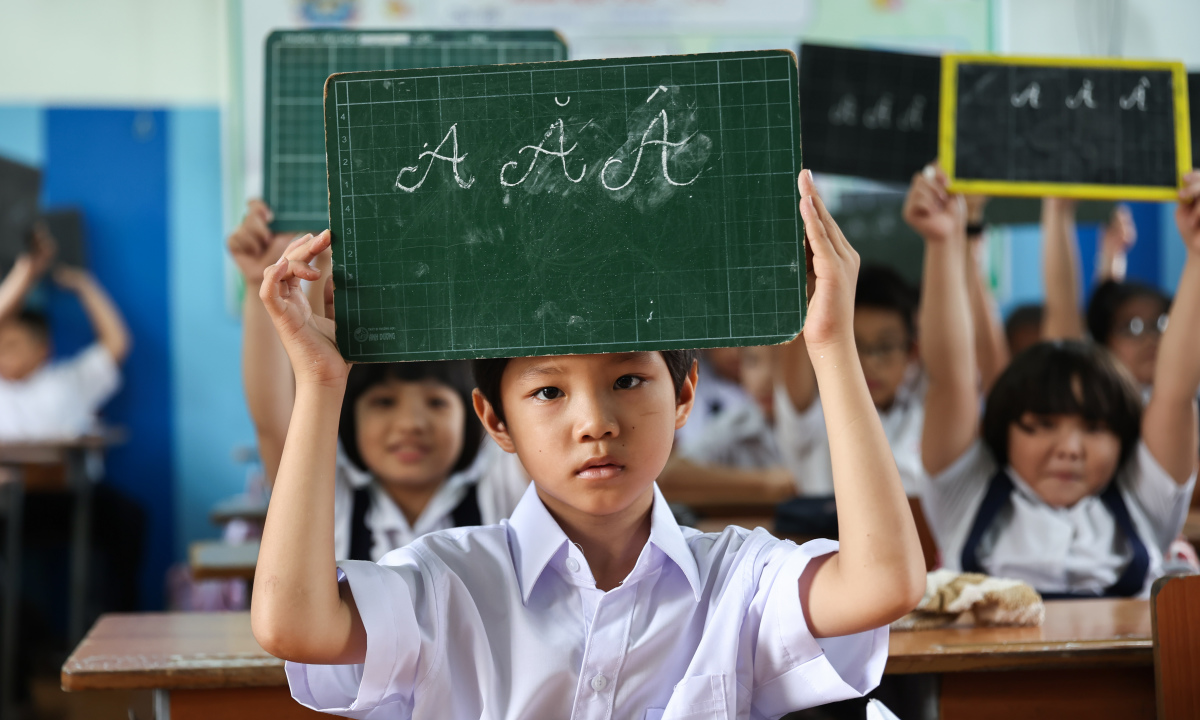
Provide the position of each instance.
(404, 304)
(298, 62)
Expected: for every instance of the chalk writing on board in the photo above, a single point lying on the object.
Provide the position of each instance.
(539, 150)
(436, 154)
(1083, 97)
(879, 116)
(666, 146)
(1030, 96)
(1137, 97)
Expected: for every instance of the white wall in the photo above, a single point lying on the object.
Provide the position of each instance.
(114, 52)
(1152, 29)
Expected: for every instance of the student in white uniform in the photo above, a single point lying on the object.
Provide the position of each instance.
(41, 399)
(591, 601)
(885, 334)
(1068, 484)
(408, 438)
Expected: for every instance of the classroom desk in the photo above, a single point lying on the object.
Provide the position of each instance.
(214, 559)
(238, 507)
(1191, 527)
(34, 464)
(1092, 656)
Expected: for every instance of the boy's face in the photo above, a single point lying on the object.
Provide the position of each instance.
(593, 431)
(1135, 336)
(409, 433)
(22, 351)
(885, 350)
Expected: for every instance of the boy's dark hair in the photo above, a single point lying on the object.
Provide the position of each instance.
(882, 288)
(1023, 316)
(453, 373)
(1107, 301)
(35, 322)
(1044, 380)
(489, 370)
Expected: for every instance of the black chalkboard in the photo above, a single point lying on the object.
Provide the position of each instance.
(1193, 83)
(1079, 128)
(874, 225)
(67, 227)
(868, 113)
(297, 64)
(566, 207)
(19, 188)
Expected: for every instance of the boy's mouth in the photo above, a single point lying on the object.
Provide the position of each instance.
(600, 468)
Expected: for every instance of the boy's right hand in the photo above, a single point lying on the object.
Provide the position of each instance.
(252, 244)
(931, 210)
(307, 334)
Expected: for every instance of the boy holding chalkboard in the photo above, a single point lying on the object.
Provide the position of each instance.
(591, 601)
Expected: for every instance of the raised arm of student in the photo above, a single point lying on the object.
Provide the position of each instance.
(991, 346)
(1169, 425)
(299, 612)
(947, 341)
(1116, 239)
(25, 272)
(1063, 319)
(795, 371)
(103, 314)
(878, 573)
(266, 372)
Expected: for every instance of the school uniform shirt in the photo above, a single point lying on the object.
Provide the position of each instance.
(387, 523)
(1056, 550)
(505, 621)
(715, 396)
(738, 438)
(804, 441)
(60, 399)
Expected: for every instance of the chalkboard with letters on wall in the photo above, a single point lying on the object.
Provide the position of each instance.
(582, 206)
(1078, 127)
(868, 113)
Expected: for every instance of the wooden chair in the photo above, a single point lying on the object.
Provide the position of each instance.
(1175, 619)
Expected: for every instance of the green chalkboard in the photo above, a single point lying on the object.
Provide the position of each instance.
(567, 207)
(299, 61)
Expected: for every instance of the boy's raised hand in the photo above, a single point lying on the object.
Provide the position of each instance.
(832, 272)
(1187, 213)
(253, 246)
(307, 335)
(931, 209)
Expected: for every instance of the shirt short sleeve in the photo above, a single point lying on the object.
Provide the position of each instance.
(1164, 502)
(92, 376)
(952, 497)
(792, 669)
(398, 609)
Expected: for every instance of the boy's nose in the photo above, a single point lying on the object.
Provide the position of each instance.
(595, 419)
(1070, 443)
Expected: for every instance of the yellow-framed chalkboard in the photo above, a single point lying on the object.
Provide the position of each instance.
(1098, 128)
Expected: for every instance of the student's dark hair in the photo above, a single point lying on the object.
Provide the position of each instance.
(488, 372)
(452, 373)
(1107, 300)
(882, 288)
(1065, 377)
(35, 322)
(1023, 316)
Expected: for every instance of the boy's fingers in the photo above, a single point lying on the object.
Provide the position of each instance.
(814, 229)
(308, 247)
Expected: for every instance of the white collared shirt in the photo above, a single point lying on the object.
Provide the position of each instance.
(59, 400)
(739, 437)
(1056, 550)
(505, 621)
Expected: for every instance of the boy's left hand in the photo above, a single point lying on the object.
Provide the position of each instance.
(1187, 213)
(832, 273)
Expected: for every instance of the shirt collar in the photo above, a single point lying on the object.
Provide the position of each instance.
(534, 538)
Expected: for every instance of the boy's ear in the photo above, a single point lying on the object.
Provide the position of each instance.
(687, 395)
(491, 422)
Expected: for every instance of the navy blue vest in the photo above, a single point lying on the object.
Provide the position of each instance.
(1000, 491)
(361, 539)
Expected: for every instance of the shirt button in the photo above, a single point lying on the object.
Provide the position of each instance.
(599, 683)
(572, 564)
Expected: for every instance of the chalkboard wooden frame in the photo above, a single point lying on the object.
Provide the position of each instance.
(948, 129)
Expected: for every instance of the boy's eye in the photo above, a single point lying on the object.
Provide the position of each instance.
(548, 393)
(382, 401)
(437, 402)
(626, 382)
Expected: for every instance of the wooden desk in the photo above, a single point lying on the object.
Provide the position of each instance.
(200, 666)
(1191, 527)
(58, 465)
(213, 559)
(1091, 658)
